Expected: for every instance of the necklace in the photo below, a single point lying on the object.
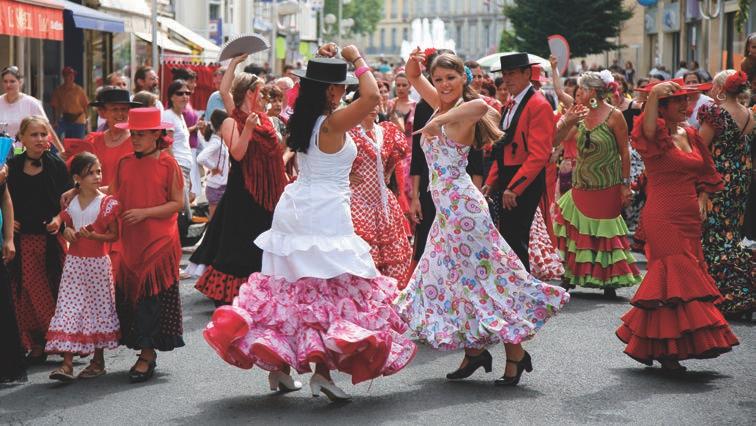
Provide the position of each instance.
(139, 155)
(36, 162)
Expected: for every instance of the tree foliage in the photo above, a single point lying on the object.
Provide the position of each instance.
(586, 24)
(366, 14)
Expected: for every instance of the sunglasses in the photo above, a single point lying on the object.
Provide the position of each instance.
(183, 93)
(12, 70)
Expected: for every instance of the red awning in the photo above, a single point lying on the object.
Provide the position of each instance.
(38, 19)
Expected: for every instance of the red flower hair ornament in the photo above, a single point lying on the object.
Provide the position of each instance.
(736, 83)
(428, 53)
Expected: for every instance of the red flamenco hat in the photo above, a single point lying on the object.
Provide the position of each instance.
(684, 90)
(144, 119)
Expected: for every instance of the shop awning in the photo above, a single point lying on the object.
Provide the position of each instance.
(164, 43)
(207, 47)
(90, 19)
(32, 18)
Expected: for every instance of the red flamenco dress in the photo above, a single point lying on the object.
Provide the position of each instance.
(377, 216)
(148, 300)
(245, 211)
(674, 316)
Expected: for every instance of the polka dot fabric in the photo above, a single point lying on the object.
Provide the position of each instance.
(85, 317)
(33, 296)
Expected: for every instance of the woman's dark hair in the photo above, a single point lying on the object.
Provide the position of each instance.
(216, 120)
(82, 163)
(174, 87)
(498, 81)
(490, 88)
(311, 103)
(271, 92)
(487, 128)
(183, 74)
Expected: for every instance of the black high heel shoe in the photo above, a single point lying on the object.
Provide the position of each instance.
(138, 377)
(524, 364)
(483, 359)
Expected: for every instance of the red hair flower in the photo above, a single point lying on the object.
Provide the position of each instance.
(736, 83)
(428, 53)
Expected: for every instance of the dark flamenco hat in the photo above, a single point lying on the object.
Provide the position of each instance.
(114, 96)
(514, 61)
(327, 70)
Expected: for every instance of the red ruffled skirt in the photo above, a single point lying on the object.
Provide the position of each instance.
(674, 314)
(346, 322)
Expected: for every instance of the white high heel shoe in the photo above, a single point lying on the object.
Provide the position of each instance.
(283, 382)
(319, 383)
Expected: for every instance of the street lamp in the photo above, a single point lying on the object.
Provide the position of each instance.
(327, 21)
(279, 10)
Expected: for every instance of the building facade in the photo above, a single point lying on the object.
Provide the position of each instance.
(677, 31)
(474, 25)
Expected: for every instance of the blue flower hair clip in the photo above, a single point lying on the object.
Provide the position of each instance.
(468, 74)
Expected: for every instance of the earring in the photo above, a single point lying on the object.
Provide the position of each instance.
(723, 97)
(76, 185)
(593, 102)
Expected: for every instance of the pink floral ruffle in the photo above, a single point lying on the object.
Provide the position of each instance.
(345, 322)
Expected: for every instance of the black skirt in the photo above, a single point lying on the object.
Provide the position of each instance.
(12, 363)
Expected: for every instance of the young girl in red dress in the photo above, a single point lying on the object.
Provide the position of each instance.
(85, 319)
(150, 187)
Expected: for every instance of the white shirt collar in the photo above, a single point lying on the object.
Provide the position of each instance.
(518, 98)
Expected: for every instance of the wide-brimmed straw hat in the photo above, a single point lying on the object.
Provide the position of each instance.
(114, 96)
(327, 70)
(144, 119)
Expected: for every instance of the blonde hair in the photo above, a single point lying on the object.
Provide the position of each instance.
(28, 121)
(243, 82)
(487, 128)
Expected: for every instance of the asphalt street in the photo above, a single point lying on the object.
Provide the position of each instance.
(580, 376)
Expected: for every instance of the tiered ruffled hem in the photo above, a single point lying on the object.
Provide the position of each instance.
(545, 263)
(293, 257)
(596, 252)
(219, 286)
(345, 322)
(674, 316)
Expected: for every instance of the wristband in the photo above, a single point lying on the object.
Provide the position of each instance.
(357, 59)
(361, 70)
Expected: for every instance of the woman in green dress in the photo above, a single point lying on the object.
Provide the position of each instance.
(591, 234)
(728, 129)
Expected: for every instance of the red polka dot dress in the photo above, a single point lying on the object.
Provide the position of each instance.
(85, 315)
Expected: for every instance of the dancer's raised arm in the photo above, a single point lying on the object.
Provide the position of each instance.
(413, 69)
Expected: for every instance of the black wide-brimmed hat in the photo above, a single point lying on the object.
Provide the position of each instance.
(114, 96)
(327, 70)
(515, 60)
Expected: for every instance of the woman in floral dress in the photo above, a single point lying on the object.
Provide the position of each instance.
(470, 290)
(728, 129)
(376, 214)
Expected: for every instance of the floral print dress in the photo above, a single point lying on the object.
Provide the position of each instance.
(470, 290)
(730, 264)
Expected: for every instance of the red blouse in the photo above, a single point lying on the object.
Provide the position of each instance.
(109, 156)
(151, 248)
(110, 208)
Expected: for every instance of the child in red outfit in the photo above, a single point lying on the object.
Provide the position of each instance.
(85, 318)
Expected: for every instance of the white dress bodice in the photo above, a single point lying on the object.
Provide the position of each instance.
(312, 234)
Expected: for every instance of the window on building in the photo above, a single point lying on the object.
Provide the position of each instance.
(383, 39)
(405, 34)
(393, 39)
(214, 11)
(405, 9)
(458, 41)
(487, 37)
(394, 8)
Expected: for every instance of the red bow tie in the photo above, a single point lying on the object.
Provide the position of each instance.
(509, 103)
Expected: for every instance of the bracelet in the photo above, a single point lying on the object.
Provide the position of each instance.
(626, 181)
(357, 59)
(361, 70)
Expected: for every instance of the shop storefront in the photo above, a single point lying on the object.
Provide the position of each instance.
(31, 35)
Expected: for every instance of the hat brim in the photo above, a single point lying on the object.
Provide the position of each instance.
(350, 78)
(498, 68)
(102, 104)
(163, 126)
(681, 92)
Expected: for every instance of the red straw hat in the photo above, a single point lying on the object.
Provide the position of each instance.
(144, 119)
(536, 74)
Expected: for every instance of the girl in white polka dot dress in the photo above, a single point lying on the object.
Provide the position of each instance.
(85, 318)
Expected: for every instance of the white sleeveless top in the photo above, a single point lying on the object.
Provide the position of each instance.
(312, 233)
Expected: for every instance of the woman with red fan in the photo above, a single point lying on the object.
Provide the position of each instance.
(728, 129)
(674, 316)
